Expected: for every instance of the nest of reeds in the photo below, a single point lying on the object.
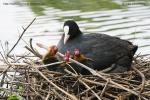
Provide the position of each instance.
(25, 77)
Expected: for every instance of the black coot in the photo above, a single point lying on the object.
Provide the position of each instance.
(104, 50)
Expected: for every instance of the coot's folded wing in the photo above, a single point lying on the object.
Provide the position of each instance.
(105, 50)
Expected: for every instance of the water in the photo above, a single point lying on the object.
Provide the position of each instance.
(132, 24)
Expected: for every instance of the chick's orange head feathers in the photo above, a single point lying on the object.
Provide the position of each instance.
(52, 50)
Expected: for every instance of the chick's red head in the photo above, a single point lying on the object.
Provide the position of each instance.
(76, 52)
(67, 56)
(52, 50)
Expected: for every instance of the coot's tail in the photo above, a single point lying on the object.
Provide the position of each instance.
(134, 49)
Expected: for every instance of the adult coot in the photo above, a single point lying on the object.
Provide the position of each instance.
(104, 50)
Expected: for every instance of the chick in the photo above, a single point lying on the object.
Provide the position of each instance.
(49, 57)
(78, 56)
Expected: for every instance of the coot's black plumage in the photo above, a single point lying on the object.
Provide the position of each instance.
(103, 49)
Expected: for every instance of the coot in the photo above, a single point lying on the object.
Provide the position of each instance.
(104, 50)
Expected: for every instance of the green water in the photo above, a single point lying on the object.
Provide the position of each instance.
(83, 5)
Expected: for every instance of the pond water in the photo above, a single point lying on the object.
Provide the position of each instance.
(132, 23)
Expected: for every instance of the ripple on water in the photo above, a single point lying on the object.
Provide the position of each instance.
(47, 28)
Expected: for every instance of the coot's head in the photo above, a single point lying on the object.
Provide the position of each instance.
(71, 30)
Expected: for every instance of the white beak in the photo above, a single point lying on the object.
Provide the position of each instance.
(66, 31)
(66, 38)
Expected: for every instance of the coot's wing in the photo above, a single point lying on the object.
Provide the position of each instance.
(104, 50)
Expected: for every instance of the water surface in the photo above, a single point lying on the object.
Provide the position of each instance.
(131, 23)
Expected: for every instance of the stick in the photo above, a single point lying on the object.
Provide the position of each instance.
(104, 88)
(51, 64)
(60, 89)
(24, 30)
(84, 84)
(143, 78)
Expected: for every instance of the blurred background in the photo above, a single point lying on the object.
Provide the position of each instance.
(127, 19)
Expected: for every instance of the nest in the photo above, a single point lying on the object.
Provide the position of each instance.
(26, 78)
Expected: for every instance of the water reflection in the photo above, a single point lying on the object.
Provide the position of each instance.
(132, 23)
